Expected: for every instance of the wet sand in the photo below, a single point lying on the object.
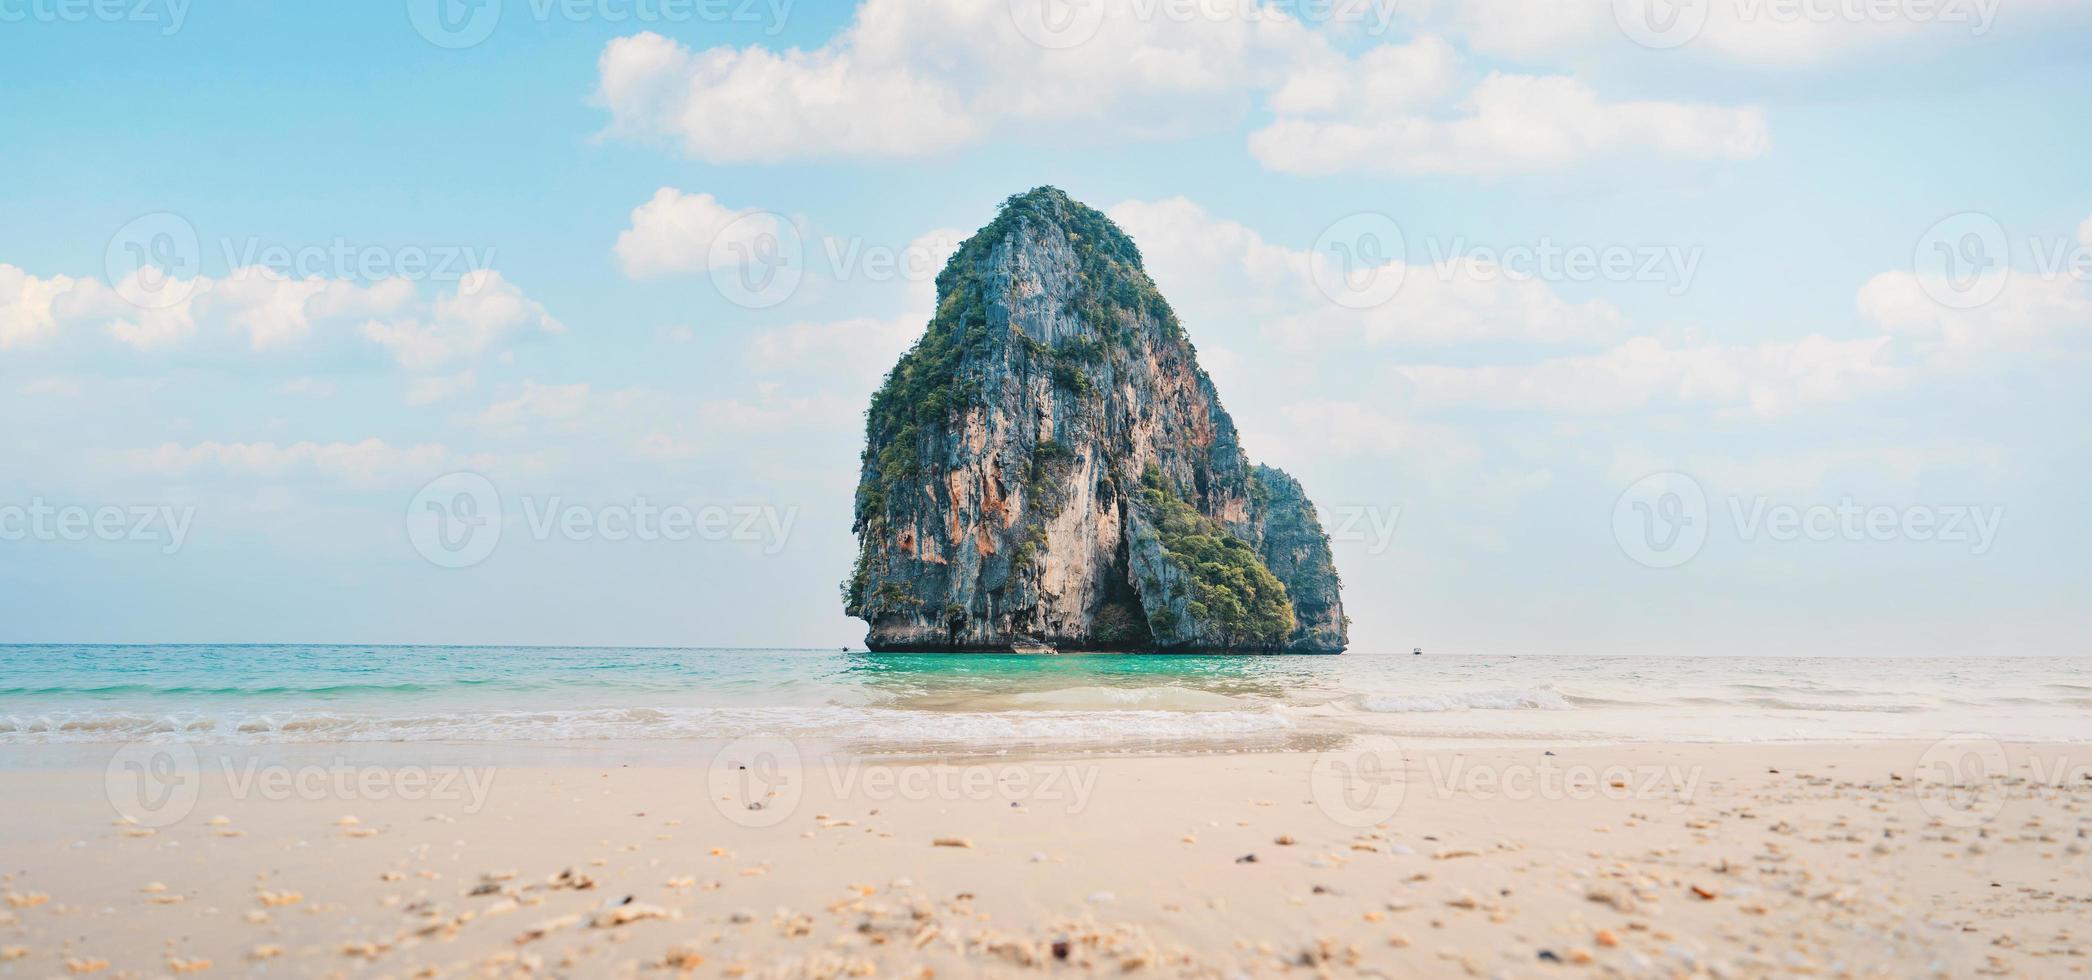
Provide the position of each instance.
(1493, 859)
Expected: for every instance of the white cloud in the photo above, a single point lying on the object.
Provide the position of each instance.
(676, 232)
(275, 311)
(1385, 80)
(775, 409)
(484, 313)
(1221, 268)
(912, 77)
(857, 346)
(309, 387)
(441, 387)
(264, 310)
(1738, 32)
(2030, 312)
(1884, 468)
(53, 387)
(916, 77)
(148, 311)
(534, 406)
(371, 461)
(26, 306)
(1508, 124)
(1349, 427)
(1767, 380)
(740, 105)
(664, 447)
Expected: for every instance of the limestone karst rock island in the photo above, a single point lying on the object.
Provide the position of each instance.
(1048, 467)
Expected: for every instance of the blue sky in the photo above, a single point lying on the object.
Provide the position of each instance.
(1786, 337)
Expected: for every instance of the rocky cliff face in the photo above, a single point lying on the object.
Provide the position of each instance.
(1049, 467)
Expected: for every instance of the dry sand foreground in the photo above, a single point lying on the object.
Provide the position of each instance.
(1491, 861)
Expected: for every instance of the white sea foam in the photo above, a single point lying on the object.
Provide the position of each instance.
(840, 723)
(1545, 700)
(312, 694)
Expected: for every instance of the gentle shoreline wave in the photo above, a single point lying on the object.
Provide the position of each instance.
(289, 694)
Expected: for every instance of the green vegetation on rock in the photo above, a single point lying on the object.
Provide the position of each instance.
(928, 385)
(1231, 587)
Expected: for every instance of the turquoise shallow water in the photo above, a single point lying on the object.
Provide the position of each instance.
(316, 693)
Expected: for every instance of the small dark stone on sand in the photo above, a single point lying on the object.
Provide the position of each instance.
(1060, 949)
(1547, 956)
(1246, 859)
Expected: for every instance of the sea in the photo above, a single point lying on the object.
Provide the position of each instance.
(874, 703)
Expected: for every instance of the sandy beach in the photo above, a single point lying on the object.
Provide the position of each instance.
(1368, 858)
